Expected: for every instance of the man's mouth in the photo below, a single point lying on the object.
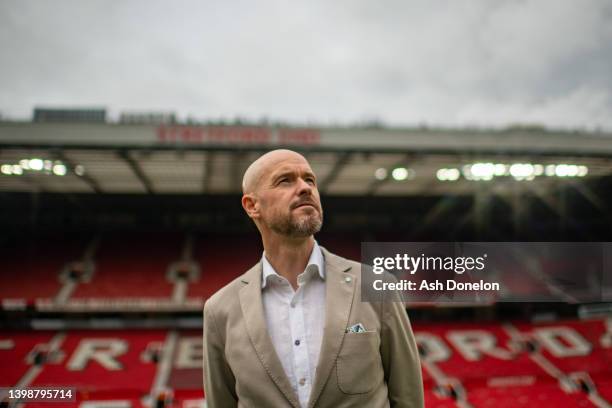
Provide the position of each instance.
(305, 204)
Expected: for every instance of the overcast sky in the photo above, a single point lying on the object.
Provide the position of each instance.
(451, 63)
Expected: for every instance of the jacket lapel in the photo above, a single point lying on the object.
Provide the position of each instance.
(255, 321)
(339, 293)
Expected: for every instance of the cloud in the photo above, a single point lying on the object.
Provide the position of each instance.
(444, 62)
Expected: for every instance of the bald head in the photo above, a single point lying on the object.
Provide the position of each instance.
(263, 165)
(280, 195)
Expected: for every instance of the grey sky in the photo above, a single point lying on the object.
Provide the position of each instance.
(452, 63)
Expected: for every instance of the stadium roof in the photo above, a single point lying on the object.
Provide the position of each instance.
(210, 159)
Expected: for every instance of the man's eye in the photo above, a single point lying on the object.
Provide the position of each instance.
(310, 181)
(283, 180)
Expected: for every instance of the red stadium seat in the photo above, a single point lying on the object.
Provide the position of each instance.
(480, 365)
(132, 266)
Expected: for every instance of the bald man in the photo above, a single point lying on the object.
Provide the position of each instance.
(292, 331)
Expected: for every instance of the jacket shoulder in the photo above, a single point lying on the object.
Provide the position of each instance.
(228, 294)
(340, 262)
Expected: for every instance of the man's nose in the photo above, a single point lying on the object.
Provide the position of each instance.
(304, 187)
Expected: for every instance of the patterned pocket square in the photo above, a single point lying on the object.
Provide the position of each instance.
(356, 328)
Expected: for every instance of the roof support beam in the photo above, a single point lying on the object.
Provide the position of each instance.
(238, 169)
(207, 169)
(341, 161)
(93, 184)
(138, 172)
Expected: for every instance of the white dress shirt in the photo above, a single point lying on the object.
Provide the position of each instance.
(295, 320)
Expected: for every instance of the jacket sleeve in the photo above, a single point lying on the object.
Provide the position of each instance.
(400, 356)
(219, 381)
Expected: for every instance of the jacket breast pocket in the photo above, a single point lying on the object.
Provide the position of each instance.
(359, 367)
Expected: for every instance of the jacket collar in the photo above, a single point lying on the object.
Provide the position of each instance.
(315, 260)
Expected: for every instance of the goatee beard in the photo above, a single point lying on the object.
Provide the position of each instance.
(303, 228)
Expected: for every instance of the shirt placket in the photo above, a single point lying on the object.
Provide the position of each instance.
(301, 361)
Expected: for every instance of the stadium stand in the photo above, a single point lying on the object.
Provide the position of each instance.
(463, 364)
(31, 270)
(138, 261)
(160, 270)
(131, 268)
(221, 260)
(18, 352)
(114, 235)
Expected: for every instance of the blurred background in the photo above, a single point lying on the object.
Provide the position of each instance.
(125, 129)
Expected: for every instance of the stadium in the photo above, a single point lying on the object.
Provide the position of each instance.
(459, 152)
(116, 231)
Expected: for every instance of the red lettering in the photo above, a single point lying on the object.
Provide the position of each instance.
(262, 135)
(167, 134)
(192, 134)
(185, 134)
(299, 136)
(161, 133)
(249, 134)
(173, 134)
(215, 134)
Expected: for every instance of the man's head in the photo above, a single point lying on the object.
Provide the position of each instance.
(280, 194)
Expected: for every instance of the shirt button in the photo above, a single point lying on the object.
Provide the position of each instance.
(302, 381)
(297, 342)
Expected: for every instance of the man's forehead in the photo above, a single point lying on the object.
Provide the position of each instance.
(300, 166)
(270, 164)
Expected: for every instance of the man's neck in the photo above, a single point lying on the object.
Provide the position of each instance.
(288, 257)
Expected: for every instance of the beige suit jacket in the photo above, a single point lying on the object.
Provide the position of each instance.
(379, 368)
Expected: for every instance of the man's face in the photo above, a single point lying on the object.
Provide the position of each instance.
(289, 199)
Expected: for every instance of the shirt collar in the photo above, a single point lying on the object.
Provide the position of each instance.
(315, 261)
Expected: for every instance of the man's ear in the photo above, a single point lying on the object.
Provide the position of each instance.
(250, 205)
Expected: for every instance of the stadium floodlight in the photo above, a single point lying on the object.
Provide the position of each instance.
(6, 169)
(500, 170)
(441, 174)
(25, 164)
(467, 172)
(538, 169)
(562, 170)
(17, 169)
(522, 171)
(59, 170)
(483, 171)
(452, 174)
(36, 164)
(380, 173)
(572, 170)
(399, 174)
(79, 170)
(448, 174)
